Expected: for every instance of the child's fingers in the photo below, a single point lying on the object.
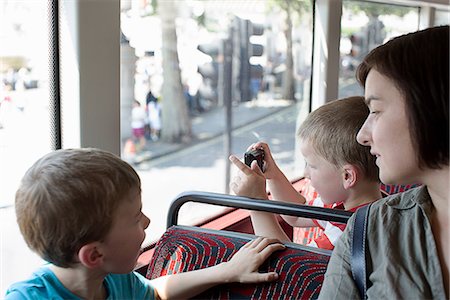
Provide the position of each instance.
(255, 167)
(251, 147)
(240, 165)
(261, 145)
(261, 243)
(264, 277)
(267, 251)
(234, 187)
(253, 242)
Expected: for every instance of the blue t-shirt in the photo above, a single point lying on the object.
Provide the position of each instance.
(44, 284)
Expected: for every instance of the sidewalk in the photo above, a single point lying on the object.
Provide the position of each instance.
(211, 124)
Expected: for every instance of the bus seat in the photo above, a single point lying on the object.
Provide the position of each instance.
(183, 248)
(390, 189)
(305, 235)
(300, 268)
(303, 186)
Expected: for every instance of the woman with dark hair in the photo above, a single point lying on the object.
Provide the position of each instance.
(407, 240)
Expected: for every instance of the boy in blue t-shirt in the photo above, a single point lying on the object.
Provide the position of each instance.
(80, 210)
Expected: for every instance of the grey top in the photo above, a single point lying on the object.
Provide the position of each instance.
(403, 262)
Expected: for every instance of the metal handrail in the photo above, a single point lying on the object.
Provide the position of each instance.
(278, 207)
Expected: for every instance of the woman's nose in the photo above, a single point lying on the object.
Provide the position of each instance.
(146, 221)
(363, 136)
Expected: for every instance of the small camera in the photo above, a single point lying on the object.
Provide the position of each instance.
(256, 154)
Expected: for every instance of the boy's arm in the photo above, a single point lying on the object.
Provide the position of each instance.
(267, 224)
(251, 183)
(243, 268)
(282, 190)
(280, 187)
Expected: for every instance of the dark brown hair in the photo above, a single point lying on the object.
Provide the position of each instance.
(68, 198)
(418, 64)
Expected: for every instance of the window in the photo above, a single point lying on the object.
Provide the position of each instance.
(258, 108)
(24, 120)
(365, 25)
(269, 93)
(442, 17)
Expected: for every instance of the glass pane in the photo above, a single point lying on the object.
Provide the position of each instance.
(24, 120)
(442, 17)
(363, 27)
(261, 109)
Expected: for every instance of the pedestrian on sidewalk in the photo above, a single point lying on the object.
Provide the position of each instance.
(138, 121)
(154, 115)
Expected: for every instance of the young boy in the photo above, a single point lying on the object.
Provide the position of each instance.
(342, 171)
(80, 210)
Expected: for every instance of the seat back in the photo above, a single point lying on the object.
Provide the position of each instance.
(303, 186)
(300, 268)
(390, 189)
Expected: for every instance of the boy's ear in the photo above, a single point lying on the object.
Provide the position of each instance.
(349, 176)
(90, 255)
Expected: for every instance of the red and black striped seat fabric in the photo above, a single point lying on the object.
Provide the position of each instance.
(307, 234)
(301, 269)
(390, 189)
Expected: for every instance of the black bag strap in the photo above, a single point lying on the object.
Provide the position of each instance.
(358, 259)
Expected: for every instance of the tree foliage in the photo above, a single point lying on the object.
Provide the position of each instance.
(376, 9)
(297, 7)
(293, 9)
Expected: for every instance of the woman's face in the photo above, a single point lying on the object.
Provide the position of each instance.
(386, 131)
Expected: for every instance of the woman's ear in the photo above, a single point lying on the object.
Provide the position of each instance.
(90, 255)
(349, 176)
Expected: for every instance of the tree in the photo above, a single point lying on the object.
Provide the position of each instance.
(373, 34)
(289, 7)
(176, 124)
(373, 10)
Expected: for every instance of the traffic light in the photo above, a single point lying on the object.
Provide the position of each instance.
(249, 75)
(209, 72)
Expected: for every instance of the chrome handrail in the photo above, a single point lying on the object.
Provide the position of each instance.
(278, 207)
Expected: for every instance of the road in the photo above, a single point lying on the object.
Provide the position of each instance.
(202, 168)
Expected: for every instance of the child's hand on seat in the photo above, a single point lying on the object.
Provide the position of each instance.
(243, 266)
(250, 181)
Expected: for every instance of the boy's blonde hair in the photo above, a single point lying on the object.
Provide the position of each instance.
(68, 198)
(332, 128)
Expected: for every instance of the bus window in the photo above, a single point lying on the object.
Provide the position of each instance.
(365, 25)
(25, 127)
(266, 47)
(441, 17)
(262, 106)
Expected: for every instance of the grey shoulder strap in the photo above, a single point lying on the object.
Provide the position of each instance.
(358, 259)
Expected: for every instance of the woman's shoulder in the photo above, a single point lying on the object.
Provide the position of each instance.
(393, 204)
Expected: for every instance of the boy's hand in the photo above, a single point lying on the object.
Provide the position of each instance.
(243, 266)
(250, 181)
(271, 169)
